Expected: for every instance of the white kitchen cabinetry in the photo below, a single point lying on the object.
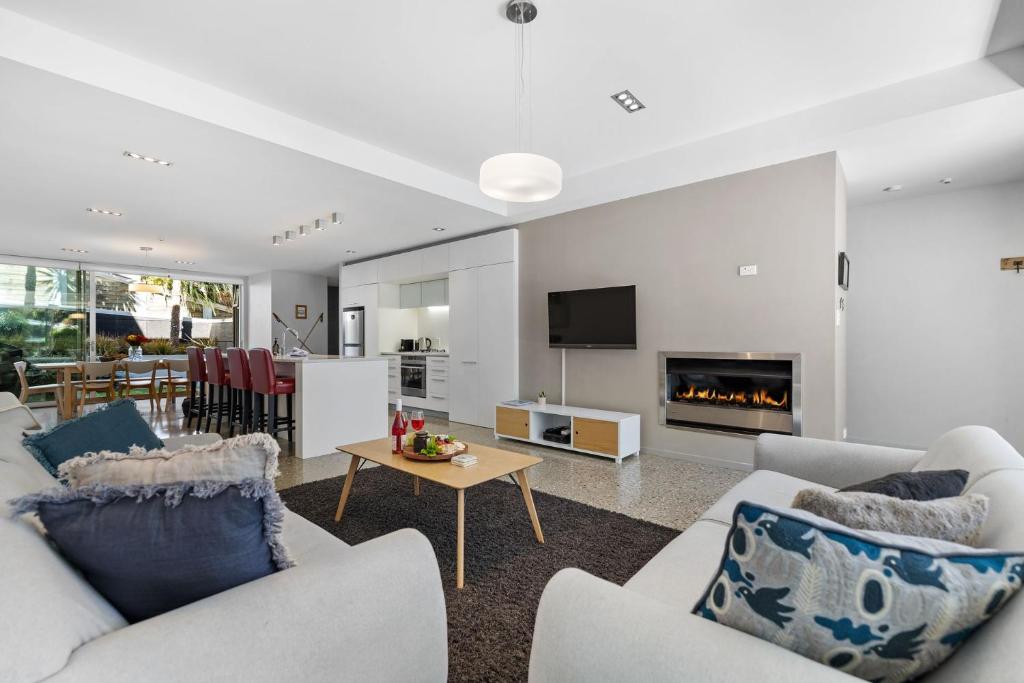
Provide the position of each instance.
(433, 259)
(394, 378)
(434, 293)
(483, 327)
(409, 295)
(401, 266)
(437, 383)
(495, 247)
(355, 274)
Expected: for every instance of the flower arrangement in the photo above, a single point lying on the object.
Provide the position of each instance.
(135, 339)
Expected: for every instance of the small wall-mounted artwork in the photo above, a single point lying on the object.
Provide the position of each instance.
(844, 270)
(1012, 263)
(301, 312)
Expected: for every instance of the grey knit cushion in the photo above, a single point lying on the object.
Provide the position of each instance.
(958, 520)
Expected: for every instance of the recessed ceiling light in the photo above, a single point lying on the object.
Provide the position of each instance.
(439, 229)
(143, 157)
(337, 218)
(628, 101)
(72, 250)
(277, 241)
(350, 251)
(946, 181)
(186, 263)
(105, 212)
(289, 235)
(892, 188)
(303, 231)
(318, 225)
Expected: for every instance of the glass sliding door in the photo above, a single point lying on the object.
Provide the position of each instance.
(43, 317)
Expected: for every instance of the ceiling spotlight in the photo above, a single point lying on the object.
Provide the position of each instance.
(337, 218)
(72, 250)
(318, 225)
(152, 160)
(277, 241)
(439, 229)
(289, 235)
(105, 212)
(350, 251)
(303, 231)
(892, 188)
(946, 181)
(627, 101)
(186, 263)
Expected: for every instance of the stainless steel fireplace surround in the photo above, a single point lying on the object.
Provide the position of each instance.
(743, 394)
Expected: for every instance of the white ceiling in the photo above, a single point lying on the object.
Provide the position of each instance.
(275, 113)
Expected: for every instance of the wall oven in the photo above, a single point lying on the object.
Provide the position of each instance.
(414, 376)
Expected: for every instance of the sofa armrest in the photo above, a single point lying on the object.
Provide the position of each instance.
(173, 443)
(831, 463)
(371, 612)
(591, 630)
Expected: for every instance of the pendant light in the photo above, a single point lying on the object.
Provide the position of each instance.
(521, 176)
(145, 287)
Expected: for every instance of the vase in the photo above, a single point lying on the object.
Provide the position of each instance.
(542, 401)
(134, 353)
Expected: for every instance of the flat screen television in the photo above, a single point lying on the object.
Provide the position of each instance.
(593, 318)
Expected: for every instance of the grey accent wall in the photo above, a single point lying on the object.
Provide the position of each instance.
(937, 330)
(682, 249)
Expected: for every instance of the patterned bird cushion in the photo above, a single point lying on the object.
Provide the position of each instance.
(876, 605)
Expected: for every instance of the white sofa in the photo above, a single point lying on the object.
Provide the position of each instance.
(591, 630)
(370, 612)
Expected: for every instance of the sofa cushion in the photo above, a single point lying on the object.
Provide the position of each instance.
(958, 519)
(876, 605)
(48, 609)
(762, 486)
(1005, 492)
(23, 473)
(116, 426)
(923, 485)
(252, 456)
(152, 548)
(979, 450)
(679, 573)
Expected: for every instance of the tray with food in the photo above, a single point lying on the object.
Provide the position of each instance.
(432, 447)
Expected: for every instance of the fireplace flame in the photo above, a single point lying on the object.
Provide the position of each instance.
(758, 397)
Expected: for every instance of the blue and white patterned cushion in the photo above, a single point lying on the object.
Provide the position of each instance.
(879, 606)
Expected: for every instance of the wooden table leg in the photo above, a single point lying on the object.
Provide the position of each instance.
(460, 539)
(415, 485)
(68, 409)
(528, 497)
(353, 467)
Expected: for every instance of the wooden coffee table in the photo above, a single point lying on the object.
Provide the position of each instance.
(493, 464)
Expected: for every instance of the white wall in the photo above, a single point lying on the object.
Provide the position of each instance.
(277, 292)
(682, 248)
(432, 321)
(936, 329)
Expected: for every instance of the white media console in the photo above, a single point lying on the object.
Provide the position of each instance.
(599, 432)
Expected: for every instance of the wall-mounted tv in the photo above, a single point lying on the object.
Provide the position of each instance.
(593, 318)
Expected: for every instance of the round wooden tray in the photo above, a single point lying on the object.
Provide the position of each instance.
(408, 452)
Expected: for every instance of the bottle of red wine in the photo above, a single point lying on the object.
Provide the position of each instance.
(397, 428)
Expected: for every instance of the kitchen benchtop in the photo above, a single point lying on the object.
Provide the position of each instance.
(319, 358)
(429, 354)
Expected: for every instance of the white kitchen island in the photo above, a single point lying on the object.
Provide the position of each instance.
(337, 401)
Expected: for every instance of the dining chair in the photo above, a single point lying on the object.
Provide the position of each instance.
(219, 387)
(266, 384)
(176, 378)
(97, 378)
(56, 389)
(197, 387)
(139, 374)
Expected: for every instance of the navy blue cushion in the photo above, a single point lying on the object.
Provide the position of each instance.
(115, 427)
(149, 550)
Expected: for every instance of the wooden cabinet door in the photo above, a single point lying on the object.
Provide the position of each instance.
(512, 422)
(600, 436)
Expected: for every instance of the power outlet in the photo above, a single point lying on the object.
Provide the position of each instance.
(747, 271)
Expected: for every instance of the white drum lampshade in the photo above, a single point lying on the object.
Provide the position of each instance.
(520, 177)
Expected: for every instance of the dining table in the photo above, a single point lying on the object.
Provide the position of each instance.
(65, 371)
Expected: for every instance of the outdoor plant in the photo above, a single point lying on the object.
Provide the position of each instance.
(13, 323)
(65, 339)
(108, 346)
(159, 347)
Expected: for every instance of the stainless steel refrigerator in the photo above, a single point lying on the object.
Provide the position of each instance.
(352, 337)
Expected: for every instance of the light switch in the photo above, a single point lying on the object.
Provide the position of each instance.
(746, 271)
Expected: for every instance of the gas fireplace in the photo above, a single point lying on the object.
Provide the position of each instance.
(743, 393)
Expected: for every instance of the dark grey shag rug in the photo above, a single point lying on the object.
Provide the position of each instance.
(490, 621)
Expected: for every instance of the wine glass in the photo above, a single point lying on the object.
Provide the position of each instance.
(417, 420)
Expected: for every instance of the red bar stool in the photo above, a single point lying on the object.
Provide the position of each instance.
(241, 391)
(219, 381)
(196, 386)
(266, 383)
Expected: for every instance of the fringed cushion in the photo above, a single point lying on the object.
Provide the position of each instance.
(149, 549)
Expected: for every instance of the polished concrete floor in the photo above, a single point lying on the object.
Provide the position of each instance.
(663, 490)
